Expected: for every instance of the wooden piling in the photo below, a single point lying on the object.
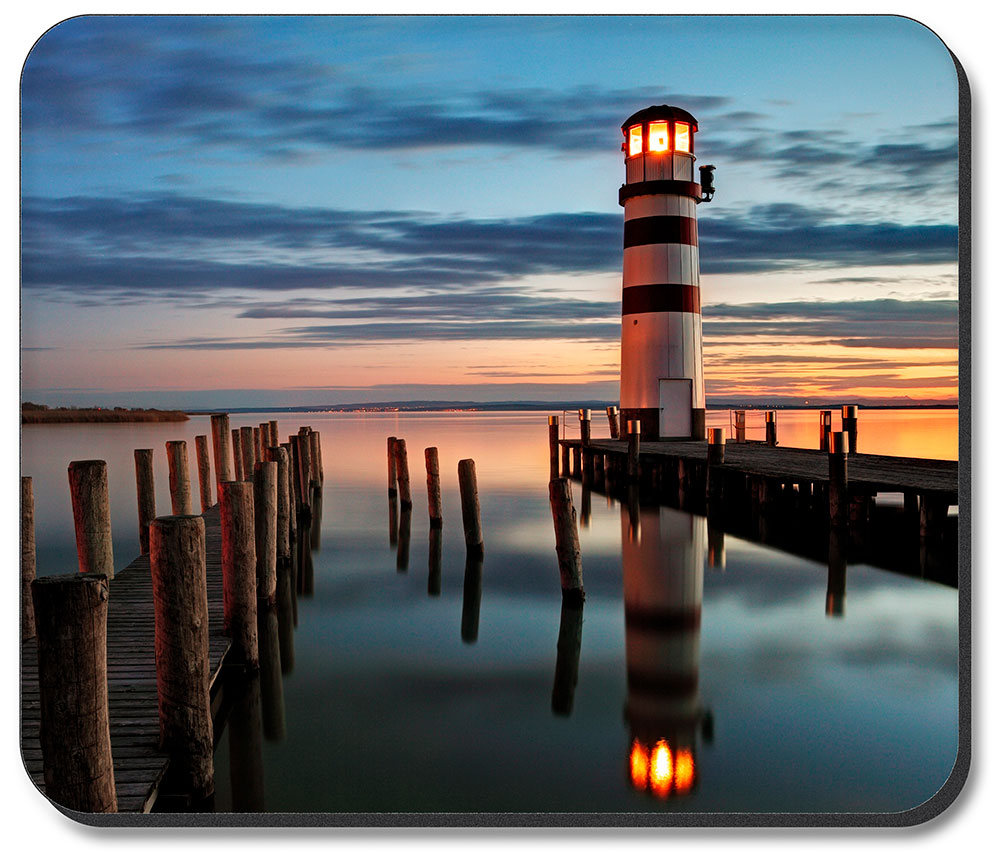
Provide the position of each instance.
(740, 434)
(220, 449)
(470, 507)
(567, 541)
(71, 615)
(825, 428)
(553, 447)
(272, 430)
(204, 471)
(613, 422)
(265, 507)
(145, 495)
(239, 571)
(257, 456)
(771, 428)
(314, 458)
(28, 560)
(238, 473)
(180, 481)
(585, 426)
(402, 473)
(177, 566)
(433, 486)
(633, 428)
(247, 448)
(305, 471)
(88, 486)
(295, 469)
(838, 493)
(265, 440)
(849, 423)
(283, 547)
(390, 446)
(565, 461)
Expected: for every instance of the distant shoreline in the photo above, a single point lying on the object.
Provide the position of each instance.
(101, 415)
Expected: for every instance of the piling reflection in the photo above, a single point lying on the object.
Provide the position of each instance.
(286, 618)
(567, 657)
(271, 687)
(246, 759)
(663, 559)
(836, 581)
(393, 521)
(317, 518)
(434, 562)
(472, 593)
(403, 546)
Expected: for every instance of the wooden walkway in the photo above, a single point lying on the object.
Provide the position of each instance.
(867, 473)
(132, 698)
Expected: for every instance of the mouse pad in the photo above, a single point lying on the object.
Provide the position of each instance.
(495, 421)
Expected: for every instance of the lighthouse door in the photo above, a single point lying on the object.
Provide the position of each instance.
(675, 407)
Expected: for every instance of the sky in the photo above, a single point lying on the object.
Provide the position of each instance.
(222, 212)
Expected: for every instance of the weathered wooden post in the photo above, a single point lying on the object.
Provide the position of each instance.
(839, 498)
(220, 449)
(470, 507)
(402, 474)
(272, 431)
(238, 473)
(255, 433)
(577, 460)
(71, 615)
(265, 508)
(553, 446)
(180, 481)
(585, 415)
(265, 440)
(305, 471)
(771, 428)
(825, 427)
(292, 524)
(314, 453)
(247, 448)
(565, 460)
(204, 471)
(180, 599)
(567, 657)
(633, 429)
(716, 458)
(28, 561)
(295, 469)
(849, 423)
(145, 495)
(390, 445)
(613, 421)
(740, 433)
(433, 486)
(88, 487)
(239, 571)
(283, 548)
(567, 541)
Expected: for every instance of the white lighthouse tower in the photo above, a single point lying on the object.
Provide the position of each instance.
(662, 383)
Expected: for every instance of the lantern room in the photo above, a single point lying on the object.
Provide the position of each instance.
(659, 145)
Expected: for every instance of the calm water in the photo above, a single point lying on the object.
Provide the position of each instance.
(705, 679)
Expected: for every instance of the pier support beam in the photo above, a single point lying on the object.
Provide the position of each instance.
(553, 447)
(634, 429)
(177, 565)
(71, 612)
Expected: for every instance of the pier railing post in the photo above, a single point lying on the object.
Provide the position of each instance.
(433, 486)
(88, 486)
(71, 613)
(634, 428)
(402, 473)
(849, 423)
(470, 507)
(825, 427)
(180, 481)
(265, 507)
(613, 421)
(239, 570)
(220, 449)
(553, 446)
(585, 426)
(28, 561)
(204, 471)
(839, 498)
(180, 598)
(740, 435)
(567, 541)
(771, 428)
(145, 495)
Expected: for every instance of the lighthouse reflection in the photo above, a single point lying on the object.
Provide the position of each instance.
(663, 559)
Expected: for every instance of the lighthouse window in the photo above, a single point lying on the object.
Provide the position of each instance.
(659, 140)
(682, 137)
(635, 140)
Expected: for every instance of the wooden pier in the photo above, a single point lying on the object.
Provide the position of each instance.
(139, 764)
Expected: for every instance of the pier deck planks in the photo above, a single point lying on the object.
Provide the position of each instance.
(132, 700)
(866, 472)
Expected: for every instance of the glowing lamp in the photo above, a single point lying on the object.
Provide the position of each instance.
(635, 141)
(659, 136)
(682, 137)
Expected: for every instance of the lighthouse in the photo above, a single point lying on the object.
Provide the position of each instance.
(662, 382)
